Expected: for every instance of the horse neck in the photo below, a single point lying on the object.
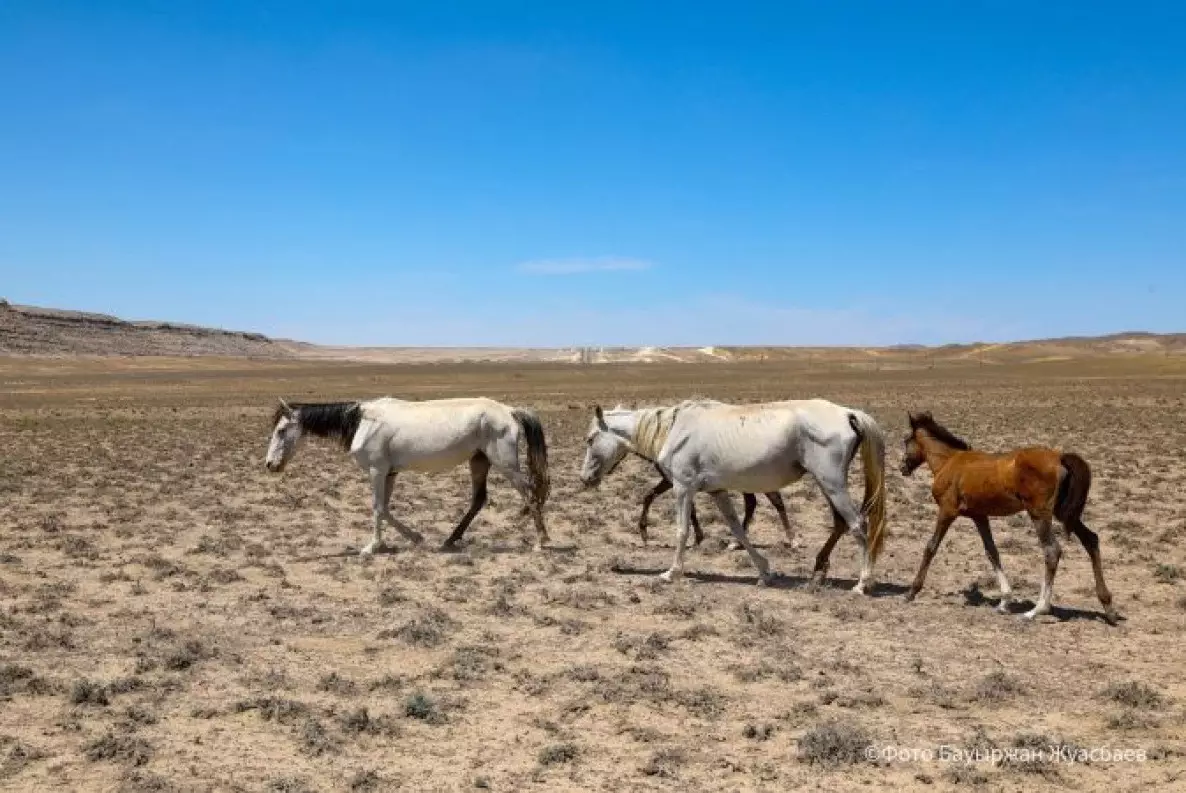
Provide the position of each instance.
(936, 452)
(651, 428)
(623, 424)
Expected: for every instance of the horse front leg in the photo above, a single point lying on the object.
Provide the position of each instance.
(776, 501)
(725, 505)
(408, 533)
(942, 524)
(380, 489)
(683, 513)
(994, 559)
(658, 490)
(751, 503)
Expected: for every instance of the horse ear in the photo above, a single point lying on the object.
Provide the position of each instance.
(912, 418)
(600, 417)
(288, 411)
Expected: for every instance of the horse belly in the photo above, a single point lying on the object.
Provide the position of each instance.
(432, 458)
(763, 477)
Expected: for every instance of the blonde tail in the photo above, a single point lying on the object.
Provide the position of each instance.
(873, 461)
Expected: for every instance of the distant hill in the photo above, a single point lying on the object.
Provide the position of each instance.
(27, 330)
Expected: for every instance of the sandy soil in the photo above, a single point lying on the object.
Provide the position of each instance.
(174, 618)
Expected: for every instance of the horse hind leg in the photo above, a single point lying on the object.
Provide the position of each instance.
(1091, 543)
(1051, 553)
(479, 468)
(522, 483)
(725, 505)
(820, 571)
(836, 492)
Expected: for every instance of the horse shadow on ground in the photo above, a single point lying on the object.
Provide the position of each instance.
(777, 580)
(974, 597)
(392, 550)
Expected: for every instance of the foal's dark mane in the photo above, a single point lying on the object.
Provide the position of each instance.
(338, 420)
(924, 421)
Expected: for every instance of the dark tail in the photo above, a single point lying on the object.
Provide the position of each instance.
(537, 454)
(1072, 491)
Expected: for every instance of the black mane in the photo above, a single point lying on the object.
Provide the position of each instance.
(338, 420)
(924, 421)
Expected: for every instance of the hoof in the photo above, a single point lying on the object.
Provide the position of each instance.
(416, 539)
(1111, 617)
(369, 549)
(859, 589)
(668, 576)
(764, 579)
(909, 597)
(733, 545)
(1003, 607)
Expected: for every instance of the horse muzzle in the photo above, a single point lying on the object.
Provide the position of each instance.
(274, 468)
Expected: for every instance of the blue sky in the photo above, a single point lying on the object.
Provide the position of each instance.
(547, 173)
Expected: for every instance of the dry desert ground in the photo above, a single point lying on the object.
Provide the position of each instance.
(173, 617)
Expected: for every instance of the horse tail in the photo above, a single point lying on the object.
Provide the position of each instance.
(872, 441)
(537, 454)
(1073, 489)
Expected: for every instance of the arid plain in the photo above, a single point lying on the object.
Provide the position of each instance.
(173, 617)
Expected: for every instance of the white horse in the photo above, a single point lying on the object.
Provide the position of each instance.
(714, 447)
(387, 435)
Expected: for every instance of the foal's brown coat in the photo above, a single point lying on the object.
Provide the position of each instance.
(1043, 482)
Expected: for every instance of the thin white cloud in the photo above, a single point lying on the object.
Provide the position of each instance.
(596, 264)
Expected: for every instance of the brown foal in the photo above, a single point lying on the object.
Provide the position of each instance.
(1044, 482)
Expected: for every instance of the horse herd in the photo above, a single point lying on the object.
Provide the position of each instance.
(707, 446)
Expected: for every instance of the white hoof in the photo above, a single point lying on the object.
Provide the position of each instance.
(669, 576)
(859, 589)
(1003, 607)
(368, 549)
(733, 545)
